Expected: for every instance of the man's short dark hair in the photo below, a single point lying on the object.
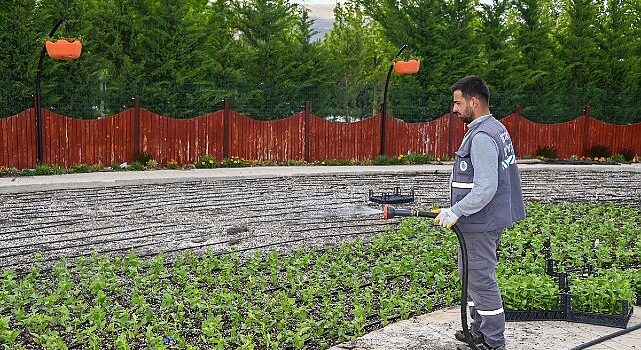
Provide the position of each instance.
(473, 86)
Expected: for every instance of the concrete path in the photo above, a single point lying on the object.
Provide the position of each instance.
(106, 179)
(435, 331)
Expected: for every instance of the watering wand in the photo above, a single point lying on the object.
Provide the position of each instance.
(390, 212)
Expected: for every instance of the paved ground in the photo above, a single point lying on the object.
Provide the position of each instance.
(435, 331)
(192, 209)
(38, 183)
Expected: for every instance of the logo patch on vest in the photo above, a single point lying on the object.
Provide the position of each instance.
(509, 160)
(462, 165)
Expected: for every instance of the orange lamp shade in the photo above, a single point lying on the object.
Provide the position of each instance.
(63, 49)
(407, 67)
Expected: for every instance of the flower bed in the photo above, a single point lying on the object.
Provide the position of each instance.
(310, 298)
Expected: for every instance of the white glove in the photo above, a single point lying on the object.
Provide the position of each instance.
(445, 217)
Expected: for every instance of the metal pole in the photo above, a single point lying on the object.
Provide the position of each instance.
(384, 109)
(39, 120)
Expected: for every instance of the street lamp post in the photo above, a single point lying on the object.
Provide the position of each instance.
(38, 101)
(384, 105)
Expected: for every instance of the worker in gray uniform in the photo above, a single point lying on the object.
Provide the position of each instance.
(486, 198)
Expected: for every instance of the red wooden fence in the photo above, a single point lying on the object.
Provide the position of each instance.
(303, 136)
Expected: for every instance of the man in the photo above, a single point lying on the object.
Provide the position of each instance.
(486, 197)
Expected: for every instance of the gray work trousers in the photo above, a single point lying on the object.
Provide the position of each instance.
(484, 297)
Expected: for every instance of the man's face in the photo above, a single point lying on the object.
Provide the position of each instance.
(462, 107)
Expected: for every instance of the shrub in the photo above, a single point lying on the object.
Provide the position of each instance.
(529, 292)
(81, 168)
(8, 171)
(599, 151)
(270, 163)
(44, 169)
(628, 154)
(338, 162)
(97, 167)
(136, 166)
(618, 157)
(206, 162)
(143, 158)
(382, 160)
(116, 166)
(234, 162)
(547, 152)
(418, 158)
(601, 293)
(151, 164)
(172, 164)
(293, 162)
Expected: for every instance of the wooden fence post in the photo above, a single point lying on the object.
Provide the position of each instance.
(383, 134)
(136, 126)
(306, 122)
(226, 128)
(586, 130)
(516, 138)
(450, 134)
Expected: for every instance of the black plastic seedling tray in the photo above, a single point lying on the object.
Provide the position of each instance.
(565, 311)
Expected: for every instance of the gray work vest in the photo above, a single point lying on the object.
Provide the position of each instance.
(506, 207)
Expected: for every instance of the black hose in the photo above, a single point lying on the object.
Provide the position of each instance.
(389, 212)
(607, 337)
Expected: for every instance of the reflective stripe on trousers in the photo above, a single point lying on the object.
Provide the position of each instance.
(486, 305)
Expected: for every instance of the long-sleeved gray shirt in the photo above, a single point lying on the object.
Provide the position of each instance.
(484, 155)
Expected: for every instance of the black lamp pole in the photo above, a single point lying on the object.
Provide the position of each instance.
(384, 108)
(39, 120)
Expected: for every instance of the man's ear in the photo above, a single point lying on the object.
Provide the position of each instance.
(474, 101)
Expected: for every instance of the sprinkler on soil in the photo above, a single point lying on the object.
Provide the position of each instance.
(392, 198)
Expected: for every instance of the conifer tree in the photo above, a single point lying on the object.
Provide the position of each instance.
(360, 56)
(20, 37)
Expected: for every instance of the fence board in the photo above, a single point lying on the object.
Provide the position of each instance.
(25, 149)
(99, 140)
(15, 140)
(22, 140)
(128, 130)
(4, 143)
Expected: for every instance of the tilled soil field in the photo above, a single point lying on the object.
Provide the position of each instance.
(245, 214)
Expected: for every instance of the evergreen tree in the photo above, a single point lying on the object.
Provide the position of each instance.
(360, 57)
(536, 81)
(442, 34)
(501, 54)
(166, 49)
(20, 37)
(308, 67)
(613, 71)
(632, 82)
(222, 50)
(113, 33)
(579, 49)
(183, 57)
(267, 37)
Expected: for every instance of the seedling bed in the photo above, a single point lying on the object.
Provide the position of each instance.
(566, 312)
